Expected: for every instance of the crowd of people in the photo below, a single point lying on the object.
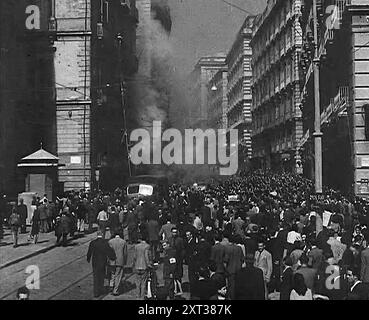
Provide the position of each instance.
(259, 236)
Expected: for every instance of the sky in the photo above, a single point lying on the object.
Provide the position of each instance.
(203, 27)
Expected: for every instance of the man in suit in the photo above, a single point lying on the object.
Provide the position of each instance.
(153, 237)
(190, 256)
(99, 250)
(120, 248)
(364, 275)
(233, 260)
(132, 224)
(177, 243)
(165, 232)
(263, 260)
(141, 264)
(43, 217)
(249, 282)
(217, 254)
(22, 211)
(169, 268)
(358, 289)
(206, 215)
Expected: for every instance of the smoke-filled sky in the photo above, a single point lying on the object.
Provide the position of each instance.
(202, 27)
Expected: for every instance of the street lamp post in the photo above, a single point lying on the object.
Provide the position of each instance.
(317, 130)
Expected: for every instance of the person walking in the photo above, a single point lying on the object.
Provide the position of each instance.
(177, 244)
(233, 260)
(113, 222)
(141, 264)
(249, 282)
(35, 229)
(102, 220)
(190, 257)
(120, 248)
(43, 217)
(15, 223)
(99, 251)
(169, 268)
(23, 213)
(63, 229)
(263, 260)
(153, 230)
(81, 212)
(132, 225)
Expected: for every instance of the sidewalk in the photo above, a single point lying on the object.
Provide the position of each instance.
(25, 249)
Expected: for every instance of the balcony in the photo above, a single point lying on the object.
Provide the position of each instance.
(337, 105)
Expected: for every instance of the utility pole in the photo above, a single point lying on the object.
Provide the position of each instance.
(317, 130)
(122, 94)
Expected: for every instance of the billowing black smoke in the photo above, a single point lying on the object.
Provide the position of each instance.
(161, 12)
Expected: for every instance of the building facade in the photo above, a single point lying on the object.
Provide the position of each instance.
(343, 48)
(217, 100)
(276, 114)
(95, 51)
(239, 95)
(204, 71)
(27, 88)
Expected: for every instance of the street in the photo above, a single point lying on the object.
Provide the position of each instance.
(64, 272)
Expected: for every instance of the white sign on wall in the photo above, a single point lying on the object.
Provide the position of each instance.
(75, 160)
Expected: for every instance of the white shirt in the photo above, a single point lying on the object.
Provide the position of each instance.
(293, 236)
(103, 216)
(295, 296)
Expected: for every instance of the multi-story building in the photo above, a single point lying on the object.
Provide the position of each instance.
(96, 43)
(343, 47)
(217, 100)
(239, 85)
(276, 116)
(27, 88)
(199, 78)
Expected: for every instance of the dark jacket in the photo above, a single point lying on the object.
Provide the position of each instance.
(190, 251)
(249, 284)
(286, 284)
(99, 250)
(170, 264)
(23, 212)
(153, 230)
(233, 258)
(360, 292)
(204, 289)
(217, 255)
(219, 280)
(203, 253)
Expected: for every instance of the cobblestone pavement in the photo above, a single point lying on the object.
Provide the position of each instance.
(10, 255)
(64, 271)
